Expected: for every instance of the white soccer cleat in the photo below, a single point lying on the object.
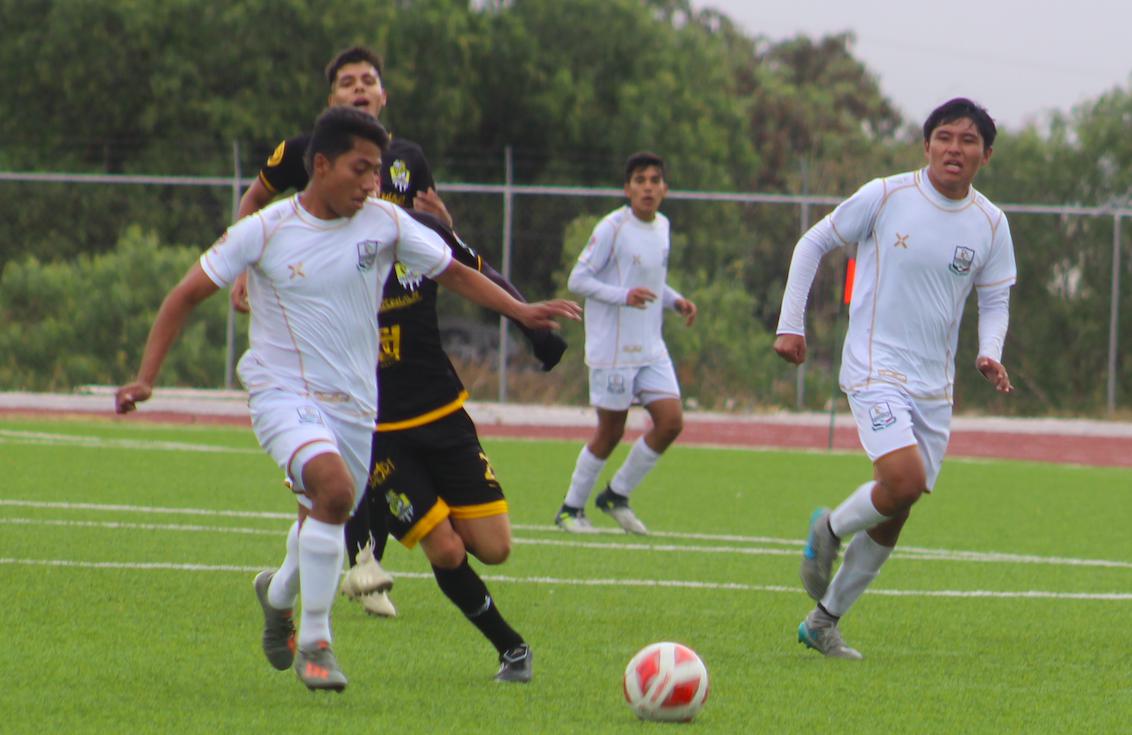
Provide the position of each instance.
(365, 576)
(617, 507)
(379, 604)
(573, 521)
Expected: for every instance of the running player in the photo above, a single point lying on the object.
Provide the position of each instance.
(317, 261)
(924, 240)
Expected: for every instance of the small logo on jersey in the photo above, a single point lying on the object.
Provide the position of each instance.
(400, 506)
(296, 271)
(636, 260)
(901, 241)
(277, 155)
(409, 279)
(400, 175)
(616, 384)
(881, 416)
(962, 261)
(367, 254)
(309, 415)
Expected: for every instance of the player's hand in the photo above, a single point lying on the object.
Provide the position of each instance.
(239, 294)
(542, 314)
(429, 201)
(995, 373)
(128, 396)
(639, 297)
(791, 348)
(687, 310)
(548, 348)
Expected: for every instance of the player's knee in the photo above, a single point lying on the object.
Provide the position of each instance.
(336, 502)
(444, 549)
(496, 552)
(904, 490)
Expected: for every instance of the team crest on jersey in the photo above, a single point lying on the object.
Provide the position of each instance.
(881, 416)
(399, 173)
(400, 506)
(409, 279)
(367, 254)
(309, 415)
(616, 384)
(962, 261)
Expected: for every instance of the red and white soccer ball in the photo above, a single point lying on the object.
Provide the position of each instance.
(666, 682)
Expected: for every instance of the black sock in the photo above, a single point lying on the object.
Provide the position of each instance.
(468, 592)
(357, 532)
(378, 523)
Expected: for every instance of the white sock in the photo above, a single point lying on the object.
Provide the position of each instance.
(856, 513)
(321, 549)
(640, 461)
(863, 560)
(284, 586)
(586, 470)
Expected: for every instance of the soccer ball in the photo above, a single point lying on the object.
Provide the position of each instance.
(666, 682)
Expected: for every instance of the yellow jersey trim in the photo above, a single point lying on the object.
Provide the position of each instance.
(483, 510)
(426, 418)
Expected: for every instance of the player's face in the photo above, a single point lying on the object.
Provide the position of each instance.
(646, 189)
(955, 152)
(345, 183)
(358, 85)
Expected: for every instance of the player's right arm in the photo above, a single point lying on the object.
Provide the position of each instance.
(851, 222)
(194, 288)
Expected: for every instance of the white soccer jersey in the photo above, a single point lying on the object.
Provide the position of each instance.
(314, 287)
(919, 254)
(624, 253)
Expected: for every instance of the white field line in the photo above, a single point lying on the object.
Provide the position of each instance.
(911, 553)
(652, 583)
(8, 436)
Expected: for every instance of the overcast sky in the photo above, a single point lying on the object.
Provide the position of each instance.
(1018, 58)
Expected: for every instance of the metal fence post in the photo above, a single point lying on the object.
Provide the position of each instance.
(508, 180)
(230, 339)
(1113, 315)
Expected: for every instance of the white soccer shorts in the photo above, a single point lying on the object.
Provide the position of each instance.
(889, 419)
(615, 388)
(293, 429)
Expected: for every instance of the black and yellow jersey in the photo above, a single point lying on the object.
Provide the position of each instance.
(404, 169)
(416, 381)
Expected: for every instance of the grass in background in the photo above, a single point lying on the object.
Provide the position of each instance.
(120, 620)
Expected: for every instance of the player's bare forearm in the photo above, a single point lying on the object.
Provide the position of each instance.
(254, 199)
(475, 287)
(429, 201)
(791, 348)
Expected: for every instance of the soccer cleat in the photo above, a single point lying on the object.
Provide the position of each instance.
(516, 664)
(318, 669)
(365, 576)
(278, 627)
(617, 506)
(820, 632)
(379, 604)
(573, 520)
(818, 556)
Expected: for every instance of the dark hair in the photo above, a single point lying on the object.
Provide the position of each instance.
(353, 55)
(335, 130)
(957, 109)
(640, 160)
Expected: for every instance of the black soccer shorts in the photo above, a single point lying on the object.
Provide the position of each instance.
(428, 472)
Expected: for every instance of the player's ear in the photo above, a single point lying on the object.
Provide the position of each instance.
(320, 164)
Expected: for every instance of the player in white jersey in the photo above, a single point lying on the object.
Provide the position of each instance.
(622, 272)
(924, 240)
(318, 262)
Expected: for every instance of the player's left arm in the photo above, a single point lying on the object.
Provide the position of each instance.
(995, 278)
(474, 286)
(673, 299)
